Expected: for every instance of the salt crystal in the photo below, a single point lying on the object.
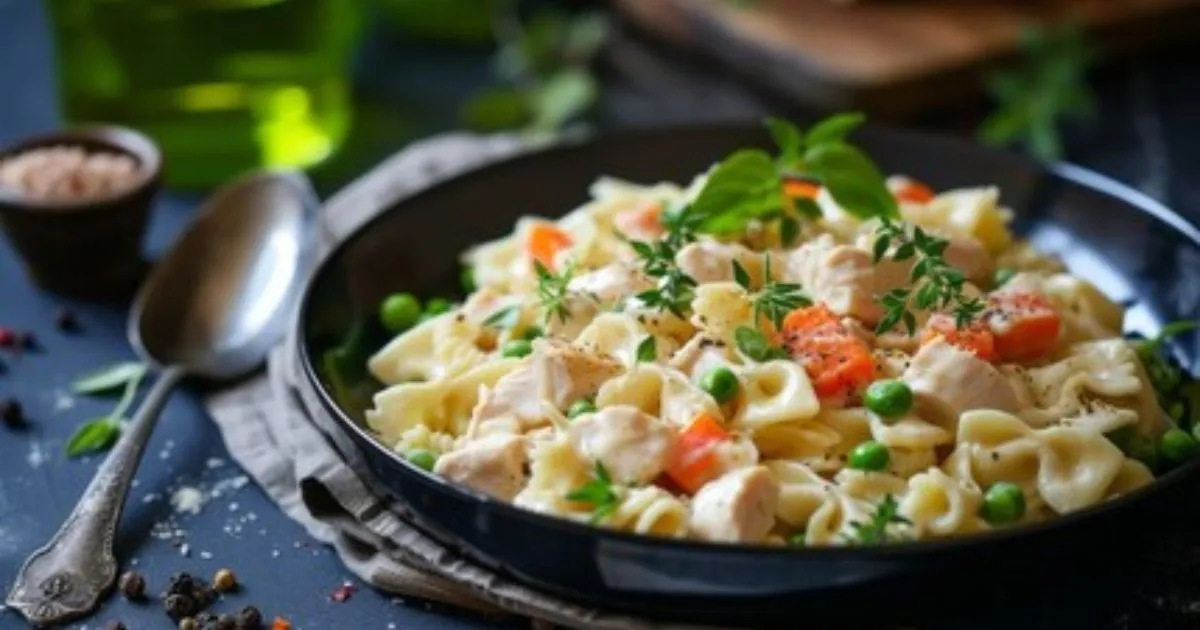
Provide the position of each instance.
(187, 499)
(206, 555)
(184, 550)
(274, 553)
(63, 400)
(215, 462)
(233, 506)
(38, 454)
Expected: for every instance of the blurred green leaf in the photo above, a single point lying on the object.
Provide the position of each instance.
(585, 36)
(564, 96)
(496, 109)
(465, 22)
(1045, 90)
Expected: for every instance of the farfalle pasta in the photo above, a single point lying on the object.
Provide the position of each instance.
(732, 362)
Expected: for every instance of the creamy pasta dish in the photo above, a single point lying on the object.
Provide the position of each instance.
(790, 349)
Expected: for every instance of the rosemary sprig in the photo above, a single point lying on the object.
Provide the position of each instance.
(599, 493)
(552, 291)
(504, 318)
(776, 299)
(936, 285)
(875, 530)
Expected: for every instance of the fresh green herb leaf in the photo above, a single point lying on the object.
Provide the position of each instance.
(647, 351)
(94, 436)
(1047, 89)
(835, 128)
(743, 186)
(497, 109)
(504, 319)
(562, 97)
(741, 276)
(109, 379)
(552, 291)
(852, 180)
(875, 531)
(776, 299)
(675, 289)
(789, 228)
(752, 343)
(787, 137)
(599, 493)
(937, 285)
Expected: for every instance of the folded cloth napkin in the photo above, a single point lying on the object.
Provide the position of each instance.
(271, 427)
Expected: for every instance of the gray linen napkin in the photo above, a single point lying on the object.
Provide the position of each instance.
(268, 427)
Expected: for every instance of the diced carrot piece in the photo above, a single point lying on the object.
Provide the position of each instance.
(801, 188)
(692, 462)
(641, 222)
(1026, 325)
(836, 360)
(975, 338)
(281, 623)
(545, 241)
(915, 192)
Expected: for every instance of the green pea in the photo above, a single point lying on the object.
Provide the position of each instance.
(516, 348)
(422, 458)
(466, 278)
(533, 332)
(399, 311)
(580, 407)
(720, 383)
(797, 540)
(1178, 446)
(1003, 275)
(870, 456)
(437, 306)
(889, 398)
(1003, 503)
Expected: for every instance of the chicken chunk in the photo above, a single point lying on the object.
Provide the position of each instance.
(710, 261)
(493, 465)
(738, 507)
(557, 374)
(610, 283)
(841, 276)
(959, 380)
(631, 444)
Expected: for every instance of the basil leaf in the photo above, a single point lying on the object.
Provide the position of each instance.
(835, 128)
(647, 351)
(807, 208)
(862, 198)
(95, 435)
(742, 175)
(109, 379)
(504, 318)
(787, 137)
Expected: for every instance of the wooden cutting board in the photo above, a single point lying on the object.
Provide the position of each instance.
(894, 57)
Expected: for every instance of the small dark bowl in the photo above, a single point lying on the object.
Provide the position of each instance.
(91, 247)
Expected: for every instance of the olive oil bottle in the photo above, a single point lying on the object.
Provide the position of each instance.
(223, 85)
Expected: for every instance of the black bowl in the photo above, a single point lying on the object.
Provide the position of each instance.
(1133, 248)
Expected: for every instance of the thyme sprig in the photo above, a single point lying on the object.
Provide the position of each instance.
(875, 530)
(675, 289)
(935, 284)
(599, 492)
(776, 299)
(552, 291)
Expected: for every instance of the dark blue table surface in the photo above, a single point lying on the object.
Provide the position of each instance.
(1148, 124)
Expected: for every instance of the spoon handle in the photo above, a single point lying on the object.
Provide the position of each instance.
(67, 577)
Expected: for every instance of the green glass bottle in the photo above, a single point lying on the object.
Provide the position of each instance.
(223, 85)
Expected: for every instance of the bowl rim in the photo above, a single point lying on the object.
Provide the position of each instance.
(115, 139)
(1072, 174)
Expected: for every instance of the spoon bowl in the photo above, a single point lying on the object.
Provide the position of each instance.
(213, 308)
(220, 299)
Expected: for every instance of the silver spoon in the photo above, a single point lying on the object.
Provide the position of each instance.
(212, 308)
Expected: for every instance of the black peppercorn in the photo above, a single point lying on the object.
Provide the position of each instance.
(181, 584)
(187, 623)
(203, 595)
(250, 619)
(114, 625)
(27, 341)
(66, 321)
(179, 606)
(12, 414)
(132, 585)
(225, 622)
(205, 620)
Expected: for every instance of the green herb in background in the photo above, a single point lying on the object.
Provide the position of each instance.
(1048, 88)
(875, 531)
(543, 65)
(100, 433)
